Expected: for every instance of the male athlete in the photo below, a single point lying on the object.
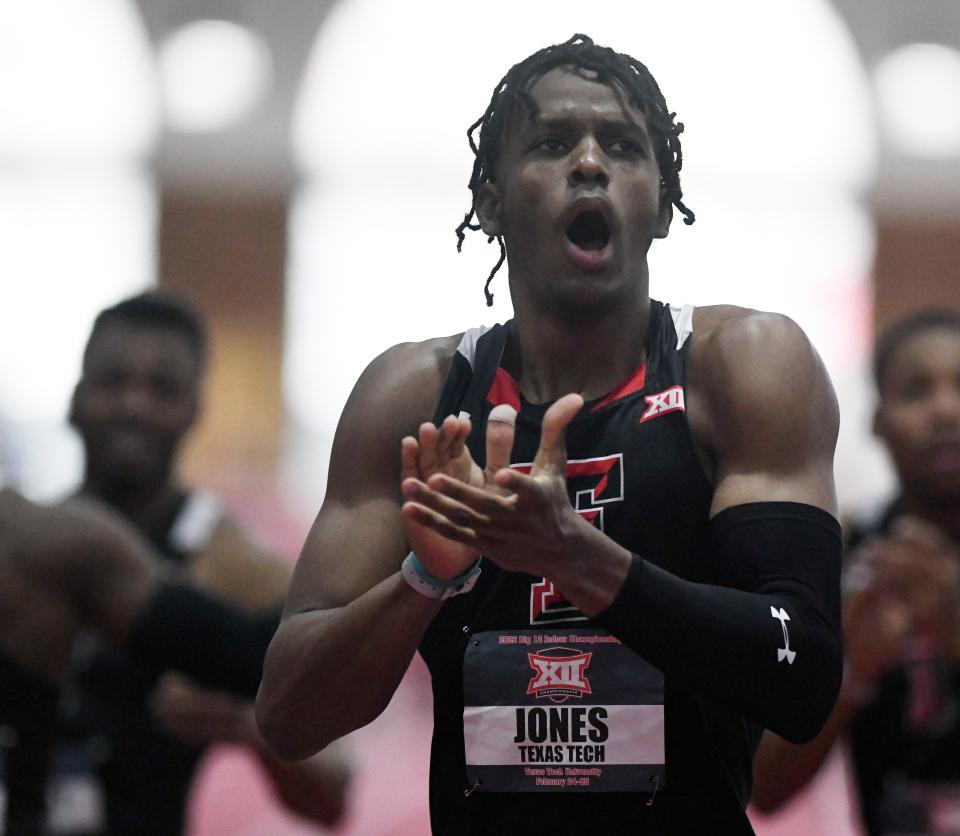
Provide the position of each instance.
(136, 744)
(620, 516)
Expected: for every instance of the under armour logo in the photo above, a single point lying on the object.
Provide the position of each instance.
(670, 400)
(783, 652)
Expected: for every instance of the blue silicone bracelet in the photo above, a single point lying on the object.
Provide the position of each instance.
(451, 583)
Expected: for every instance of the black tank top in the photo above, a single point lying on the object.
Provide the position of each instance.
(632, 470)
(28, 704)
(108, 735)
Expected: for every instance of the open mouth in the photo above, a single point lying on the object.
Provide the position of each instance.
(589, 231)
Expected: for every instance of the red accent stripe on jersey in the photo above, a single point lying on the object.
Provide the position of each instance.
(634, 383)
(504, 389)
(593, 467)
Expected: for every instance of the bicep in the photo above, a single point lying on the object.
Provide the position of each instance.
(773, 417)
(112, 568)
(358, 538)
(811, 484)
(350, 549)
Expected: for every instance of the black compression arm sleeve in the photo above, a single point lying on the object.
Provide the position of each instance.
(777, 569)
(189, 630)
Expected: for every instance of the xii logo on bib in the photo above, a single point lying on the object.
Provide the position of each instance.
(560, 675)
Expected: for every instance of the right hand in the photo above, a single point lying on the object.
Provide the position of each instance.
(198, 716)
(443, 449)
(877, 622)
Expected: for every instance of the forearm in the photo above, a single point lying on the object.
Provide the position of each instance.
(328, 672)
(188, 630)
(726, 642)
(729, 640)
(315, 788)
(782, 769)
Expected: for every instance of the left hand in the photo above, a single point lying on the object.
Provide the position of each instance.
(521, 522)
(198, 716)
(923, 566)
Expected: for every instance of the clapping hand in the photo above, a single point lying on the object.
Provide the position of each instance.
(523, 522)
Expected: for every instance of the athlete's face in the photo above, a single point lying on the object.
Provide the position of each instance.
(577, 194)
(136, 400)
(919, 414)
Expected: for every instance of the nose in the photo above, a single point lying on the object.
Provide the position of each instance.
(135, 402)
(588, 165)
(946, 405)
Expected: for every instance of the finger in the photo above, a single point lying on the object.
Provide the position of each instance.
(552, 453)
(857, 577)
(525, 487)
(457, 512)
(914, 528)
(459, 439)
(448, 430)
(485, 504)
(427, 461)
(420, 514)
(409, 456)
(500, 432)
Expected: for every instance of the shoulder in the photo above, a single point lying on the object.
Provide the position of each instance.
(735, 349)
(405, 375)
(233, 564)
(396, 393)
(730, 328)
(757, 376)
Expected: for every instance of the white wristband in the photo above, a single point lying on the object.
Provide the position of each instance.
(416, 574)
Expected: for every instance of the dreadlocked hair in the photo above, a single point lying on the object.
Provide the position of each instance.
(579, 51)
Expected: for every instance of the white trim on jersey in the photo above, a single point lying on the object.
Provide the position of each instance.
(468, 343)
(682, 322)
(196, 522)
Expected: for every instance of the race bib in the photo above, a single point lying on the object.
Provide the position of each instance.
(563, 710)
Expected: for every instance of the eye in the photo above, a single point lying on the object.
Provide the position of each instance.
(168, 387)
(107, 380)
(913, 389)
(551, 144)
(627, 147)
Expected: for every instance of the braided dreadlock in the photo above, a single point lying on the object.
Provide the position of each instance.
(579, 51)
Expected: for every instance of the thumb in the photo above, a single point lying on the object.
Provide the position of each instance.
(500, 432)
(553, 449)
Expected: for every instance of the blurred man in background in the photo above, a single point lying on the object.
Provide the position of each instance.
(132, 743)
(75, 567)
(899, 706)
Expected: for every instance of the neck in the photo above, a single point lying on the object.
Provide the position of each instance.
(551, 355)
(145, 506)
(944, 515)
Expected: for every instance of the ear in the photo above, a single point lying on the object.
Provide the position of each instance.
(72, 413)
(876, 424)
(196, 406)
(488, 208)
(664, 216)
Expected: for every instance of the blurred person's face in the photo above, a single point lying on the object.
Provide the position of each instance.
(918, 416)
(137, 398)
